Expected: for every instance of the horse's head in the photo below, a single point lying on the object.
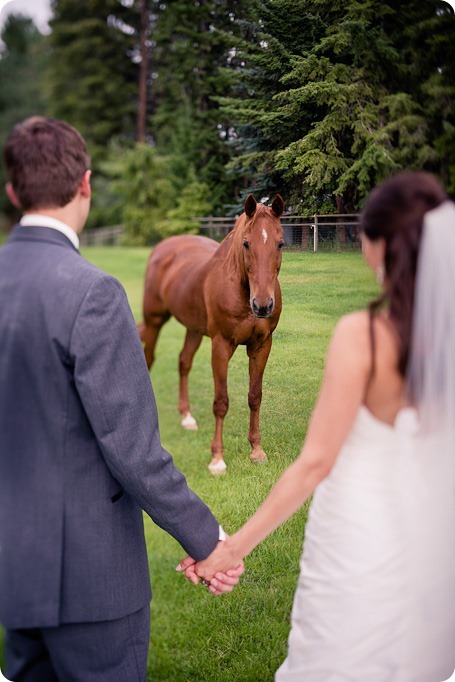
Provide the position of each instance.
(262, 242)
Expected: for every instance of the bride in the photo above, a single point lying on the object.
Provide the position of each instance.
(375, 600)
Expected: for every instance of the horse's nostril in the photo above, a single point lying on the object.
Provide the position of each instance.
(262, 311)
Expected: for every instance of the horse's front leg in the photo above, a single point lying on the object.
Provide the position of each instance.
(258, 355)
(222, 352)
(192, 343)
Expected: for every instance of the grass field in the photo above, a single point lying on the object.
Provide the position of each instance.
(240, 637)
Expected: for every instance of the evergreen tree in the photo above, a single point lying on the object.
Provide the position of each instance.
(23, 62)
(350, 94)
(140, 192)
(263, 56)
(430, 28)
(193, 202)
(94, 71)
(192, 41)
(138, 188)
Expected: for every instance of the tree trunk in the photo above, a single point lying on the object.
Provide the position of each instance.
(341, 228)
(306, 236)
(143, 73)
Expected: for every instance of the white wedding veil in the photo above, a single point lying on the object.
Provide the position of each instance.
(431, 386)
(431, 366)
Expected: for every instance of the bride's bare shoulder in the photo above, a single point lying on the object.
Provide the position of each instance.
(353, 327)
(350, 342)
(359, 337)
(360, 325)
(353, 336)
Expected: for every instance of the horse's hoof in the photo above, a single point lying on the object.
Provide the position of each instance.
(218, 467)
(189, 423)
(258, 456)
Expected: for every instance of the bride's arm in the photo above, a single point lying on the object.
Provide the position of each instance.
(346, 374)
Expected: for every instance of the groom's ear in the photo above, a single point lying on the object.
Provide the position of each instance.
(12, 196)
(84, 186)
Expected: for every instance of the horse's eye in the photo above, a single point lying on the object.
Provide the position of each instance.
(245, 244)
(280, 245)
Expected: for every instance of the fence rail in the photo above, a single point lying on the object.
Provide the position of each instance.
(100, 236)
(301, 231)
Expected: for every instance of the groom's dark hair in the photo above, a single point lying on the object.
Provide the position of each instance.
(45, 160)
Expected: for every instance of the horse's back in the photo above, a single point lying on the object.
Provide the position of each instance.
(175, 277)
(181, 249)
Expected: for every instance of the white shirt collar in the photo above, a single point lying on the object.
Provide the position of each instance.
(39, 220)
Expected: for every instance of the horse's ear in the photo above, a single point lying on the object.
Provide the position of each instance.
(250, 205)
(278, 206)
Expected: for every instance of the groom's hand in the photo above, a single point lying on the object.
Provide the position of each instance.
(188, 567)
(221, 583)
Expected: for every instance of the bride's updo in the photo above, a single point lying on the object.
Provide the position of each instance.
(394, 211)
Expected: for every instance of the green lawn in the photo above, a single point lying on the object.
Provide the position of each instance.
(240, 637)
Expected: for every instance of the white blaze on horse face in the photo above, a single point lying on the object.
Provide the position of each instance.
(264, 235)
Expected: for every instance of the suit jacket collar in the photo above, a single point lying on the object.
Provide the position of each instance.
(41, 234)
(41, 220)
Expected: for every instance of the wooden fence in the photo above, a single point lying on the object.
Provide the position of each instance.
(100, 236)
(299, 231)
(303, 232)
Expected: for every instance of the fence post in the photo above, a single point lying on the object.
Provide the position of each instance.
(315, 233)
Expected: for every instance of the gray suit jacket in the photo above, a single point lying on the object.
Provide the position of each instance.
(80, 450)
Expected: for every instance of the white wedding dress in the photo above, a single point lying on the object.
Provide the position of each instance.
(375, 600)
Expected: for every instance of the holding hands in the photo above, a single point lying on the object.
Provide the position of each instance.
(220, 571)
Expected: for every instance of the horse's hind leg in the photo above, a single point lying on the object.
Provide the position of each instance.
(148, 332)
(192, 343)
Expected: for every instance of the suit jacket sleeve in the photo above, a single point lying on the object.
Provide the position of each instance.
(114, 386)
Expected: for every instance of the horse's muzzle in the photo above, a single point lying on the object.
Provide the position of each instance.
(262, 311)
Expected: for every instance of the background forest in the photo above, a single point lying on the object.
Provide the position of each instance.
(188, 105)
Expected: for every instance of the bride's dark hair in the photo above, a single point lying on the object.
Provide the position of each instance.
(394, 211)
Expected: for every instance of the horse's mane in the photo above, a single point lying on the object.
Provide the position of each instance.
(234, 243)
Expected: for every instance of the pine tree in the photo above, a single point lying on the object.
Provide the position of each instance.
(144, 192)
(94, 74)
(192, 42)
(23, 62)
(374, 119)
(350, 102)
(430, 29)
(194, 201)
(278, 30)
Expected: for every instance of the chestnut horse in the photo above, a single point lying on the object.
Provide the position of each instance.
(229, 292)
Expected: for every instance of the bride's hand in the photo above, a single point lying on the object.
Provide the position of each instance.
(221, 582)
(223, 560)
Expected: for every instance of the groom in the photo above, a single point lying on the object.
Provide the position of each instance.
(80, 450)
